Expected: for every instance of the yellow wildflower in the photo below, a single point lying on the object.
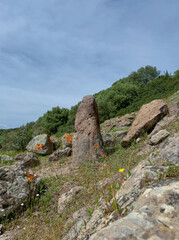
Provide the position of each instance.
(121, 170)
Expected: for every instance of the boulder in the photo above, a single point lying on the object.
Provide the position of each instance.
(67, 140)
(145, 121)
(67, 197)
(55, 141)
(40, 144)
(60, 153)
(159, 137)
(108, 140)
(27, 160)
(87, 140)
(17, 187)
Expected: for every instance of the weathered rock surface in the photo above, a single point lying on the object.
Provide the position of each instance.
(167, 151)
(145, 120)
(87, 141)
(159, 137)
(108, 139)
(67, 197)
(55, 141)
(17, 187)
(67, 140)
(60, 153)
(155, 216)
(40, 144)
(27, 160)
(80, 217)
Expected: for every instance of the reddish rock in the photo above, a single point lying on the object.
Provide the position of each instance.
(146, 119)
(87, 140)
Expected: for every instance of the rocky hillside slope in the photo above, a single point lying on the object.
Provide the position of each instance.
(132, 193)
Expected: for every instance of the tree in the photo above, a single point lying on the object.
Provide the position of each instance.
(147, 74)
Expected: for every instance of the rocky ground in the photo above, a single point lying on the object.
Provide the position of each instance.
(97, 201)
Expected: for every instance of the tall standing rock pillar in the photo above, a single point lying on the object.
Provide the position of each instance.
(87, 141)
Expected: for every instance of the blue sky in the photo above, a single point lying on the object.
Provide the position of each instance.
(52, 53)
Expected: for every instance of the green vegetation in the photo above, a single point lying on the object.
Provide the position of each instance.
(124, 96)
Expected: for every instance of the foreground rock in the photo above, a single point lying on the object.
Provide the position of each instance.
(145, 120)
(40, 144)
(61, 153)
(17, 187)
(27, 160)
(155, 216)
(87, 141)
(67, 197)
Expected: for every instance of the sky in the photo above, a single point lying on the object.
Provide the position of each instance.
(52, 53)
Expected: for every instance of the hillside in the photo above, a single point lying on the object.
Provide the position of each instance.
(124, 96)
(110, 192)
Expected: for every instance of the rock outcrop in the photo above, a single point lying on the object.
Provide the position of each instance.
(87, 140)
(148, 198)
(17, 187)
(145, 121)
(40, 144)
(155, 216)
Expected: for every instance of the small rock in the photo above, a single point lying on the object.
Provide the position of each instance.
(60, 153)
(159, 137)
